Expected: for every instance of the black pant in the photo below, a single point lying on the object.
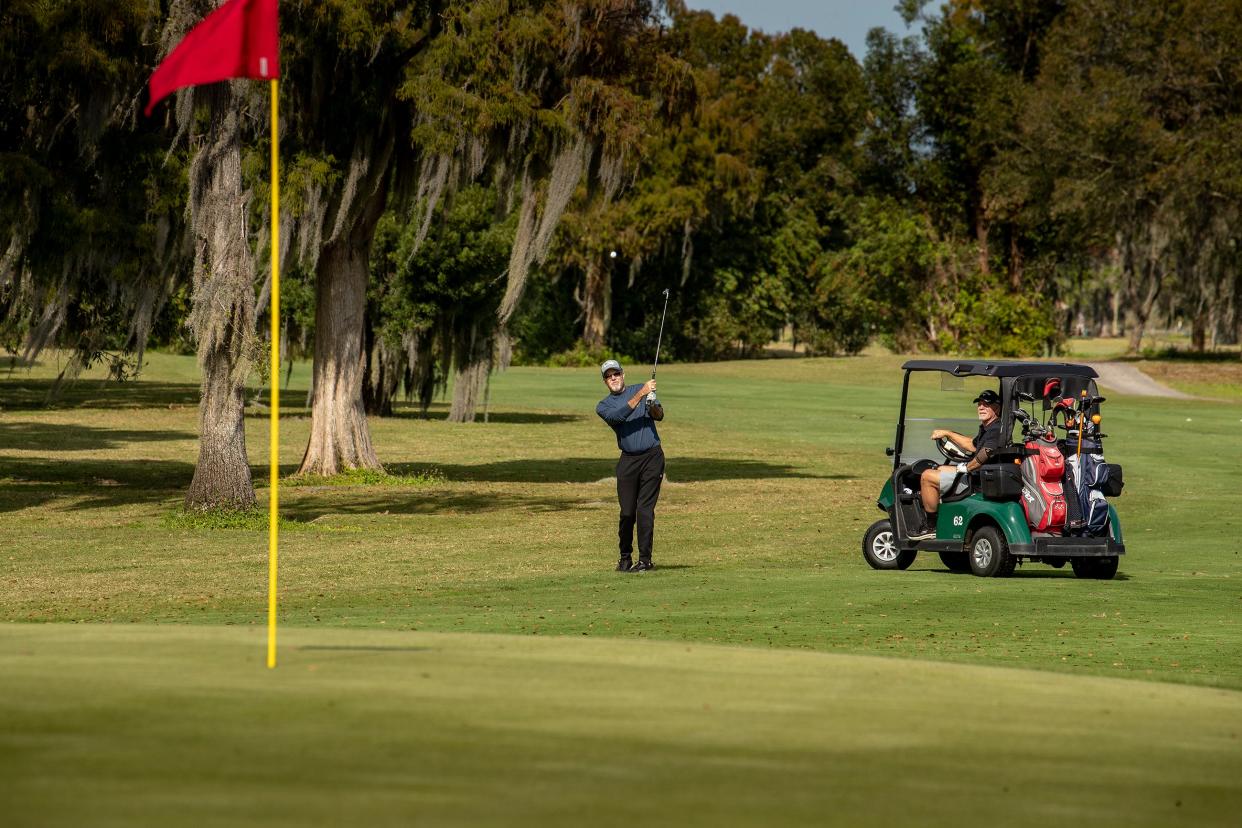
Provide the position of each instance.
(638, 488)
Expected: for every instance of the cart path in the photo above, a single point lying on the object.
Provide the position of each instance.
(1126, 379)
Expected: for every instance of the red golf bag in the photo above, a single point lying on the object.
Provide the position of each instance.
(1043, 496)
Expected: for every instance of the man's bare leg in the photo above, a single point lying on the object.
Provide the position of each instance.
(929, 488)
(929, 491)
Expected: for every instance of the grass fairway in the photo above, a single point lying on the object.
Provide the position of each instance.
(123, 725)
(1119, 698)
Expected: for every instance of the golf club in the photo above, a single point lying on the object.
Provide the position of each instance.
(651, 395)
(1084, 404)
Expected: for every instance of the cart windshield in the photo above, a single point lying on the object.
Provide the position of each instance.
(937, 400)
(920, 445)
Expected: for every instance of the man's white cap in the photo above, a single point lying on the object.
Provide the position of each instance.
(609, 365)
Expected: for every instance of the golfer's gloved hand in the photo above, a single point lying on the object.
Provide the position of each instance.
(651, 398)
(961, 468)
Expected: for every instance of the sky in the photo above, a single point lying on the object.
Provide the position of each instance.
(847, 20)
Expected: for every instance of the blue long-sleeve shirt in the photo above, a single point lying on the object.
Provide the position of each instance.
(635, 426)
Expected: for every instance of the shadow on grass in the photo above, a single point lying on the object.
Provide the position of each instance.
(20, 393)
(1172, 354)
(362, 648)
(495, 418)
(1035, 572)
(31, 436)
(1043, 572)
(104, 484)
(591, 470)
(403, 502)
(169, 475)
(11, 362)
(94, 484)
(100, 484)
(287, 412)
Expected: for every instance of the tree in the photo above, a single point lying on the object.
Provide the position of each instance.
(1134, 110)
(442, 295)
(733, 200)
(344, 126)
(89, 228)
(584, 95)
(223, 313)
(694, 171)
(446, 93)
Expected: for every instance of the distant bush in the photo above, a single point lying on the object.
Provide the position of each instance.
(991, 320)
(546, 321)
(580, 356)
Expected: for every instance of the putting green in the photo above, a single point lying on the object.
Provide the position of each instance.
(170, 725)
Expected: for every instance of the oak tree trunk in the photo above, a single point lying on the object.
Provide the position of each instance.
(222, 317)
(596, 305)
(981, 237)
(368, 364)
(381, 377)
(1142, 279)
(472, 364)
(419, 375)
(1235, 311)
(1017, 266)
(1145, 291)
(222, 473)
(1198, 331)
(340, 438)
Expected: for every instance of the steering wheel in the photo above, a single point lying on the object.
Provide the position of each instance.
(951, 453)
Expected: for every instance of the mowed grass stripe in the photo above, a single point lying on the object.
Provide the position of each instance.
(123, 725)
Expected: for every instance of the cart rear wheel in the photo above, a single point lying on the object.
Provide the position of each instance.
(988, 554)
(880, 548)
(1100, 569)
(955, 561)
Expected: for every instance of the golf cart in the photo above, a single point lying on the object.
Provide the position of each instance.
(1041, 497)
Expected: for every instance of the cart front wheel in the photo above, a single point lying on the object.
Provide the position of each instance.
(880, 548)
(988, 554)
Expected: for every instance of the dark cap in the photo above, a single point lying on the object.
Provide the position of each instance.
(987, 397)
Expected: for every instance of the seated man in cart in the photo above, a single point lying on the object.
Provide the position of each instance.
(940, 481)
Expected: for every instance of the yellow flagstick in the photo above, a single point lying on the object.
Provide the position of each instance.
(273, 508)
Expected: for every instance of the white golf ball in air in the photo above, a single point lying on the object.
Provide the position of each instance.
(612, 254)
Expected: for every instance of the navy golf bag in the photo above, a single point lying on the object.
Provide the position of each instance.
(1093, 480)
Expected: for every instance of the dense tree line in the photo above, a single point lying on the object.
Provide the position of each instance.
(470, 183)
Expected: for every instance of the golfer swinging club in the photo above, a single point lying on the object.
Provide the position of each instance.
(633, 411)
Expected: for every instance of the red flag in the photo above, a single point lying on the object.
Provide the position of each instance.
(237, 40)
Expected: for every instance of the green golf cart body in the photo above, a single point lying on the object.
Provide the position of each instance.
(983, 527)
